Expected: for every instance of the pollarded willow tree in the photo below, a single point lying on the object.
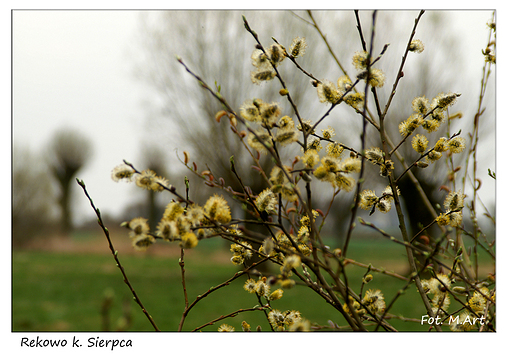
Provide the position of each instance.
(444, 270)
(68, 152)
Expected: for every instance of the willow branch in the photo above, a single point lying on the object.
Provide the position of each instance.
(114, 253)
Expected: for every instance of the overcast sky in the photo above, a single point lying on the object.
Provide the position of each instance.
(74, 69)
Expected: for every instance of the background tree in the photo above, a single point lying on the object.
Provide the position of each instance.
(153, 158)
(180, 106)
(217, 47)
(68, 152)
(34, 204)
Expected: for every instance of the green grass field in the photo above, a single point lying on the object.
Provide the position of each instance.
(65, 291)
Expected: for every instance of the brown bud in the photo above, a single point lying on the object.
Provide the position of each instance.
(425, 239)
(272, 280)
(219, 115)
(208, 174)
(232, 120)
(455, 116)
(444, 188)
(479, 183)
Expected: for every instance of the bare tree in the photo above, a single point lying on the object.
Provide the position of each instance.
(33, 200)
(215, 43)
(69, 151)
(216, 47)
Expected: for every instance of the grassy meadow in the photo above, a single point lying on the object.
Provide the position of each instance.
(63, 290)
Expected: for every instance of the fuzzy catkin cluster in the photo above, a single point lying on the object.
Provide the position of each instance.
(273, 128)
(437, 290)
(186, 224)
(453, 205)
(373, 302)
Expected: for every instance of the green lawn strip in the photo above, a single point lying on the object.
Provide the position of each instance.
(64, 292)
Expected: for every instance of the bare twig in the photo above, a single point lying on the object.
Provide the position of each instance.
(355, 206)
(215, 288)
(232, 314)
(400, 72)
(114, 253)
(183, 281)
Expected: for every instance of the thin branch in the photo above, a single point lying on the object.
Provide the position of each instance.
(183, 281)
(355, 206)
(420, 157)
(334, 105)
(289, 98)
(114, 253)
(379, 270)
(327, 44)
(400, 72)
(358, 26)
(232, 314)
(215, 288)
